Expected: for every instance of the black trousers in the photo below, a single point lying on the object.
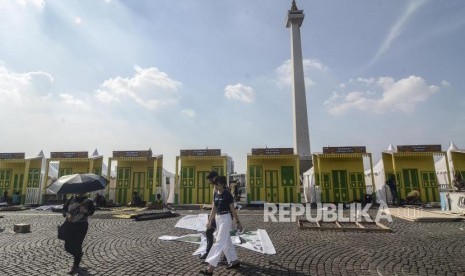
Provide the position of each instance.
(76, 232)
(395, 199)
(209, 235)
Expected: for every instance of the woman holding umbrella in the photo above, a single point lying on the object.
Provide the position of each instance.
(77, 209)
(77, 224)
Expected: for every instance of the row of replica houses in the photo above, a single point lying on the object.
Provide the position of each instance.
(345, 174)
(137, 171)
(142, 172)
(339, 174)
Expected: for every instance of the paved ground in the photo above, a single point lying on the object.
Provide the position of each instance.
(127, 247)
(415, 213)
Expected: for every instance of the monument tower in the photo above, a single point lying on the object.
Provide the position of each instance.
(295, 17)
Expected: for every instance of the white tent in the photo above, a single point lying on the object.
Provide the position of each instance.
(53, 170)
(168, 186)
(441, 166)
(105, 171)
(441, 171)
(452, 148)
(312, 193)
(379, 178)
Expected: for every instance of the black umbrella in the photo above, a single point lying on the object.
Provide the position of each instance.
(80, 183)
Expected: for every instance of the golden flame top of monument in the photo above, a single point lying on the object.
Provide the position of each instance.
(294, 6)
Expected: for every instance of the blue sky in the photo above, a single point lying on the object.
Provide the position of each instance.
(191, 74)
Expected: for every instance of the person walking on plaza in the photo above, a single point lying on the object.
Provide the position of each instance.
(212, 178)
(393, 188)
(77, 213)
(236, 191)
(223, 208)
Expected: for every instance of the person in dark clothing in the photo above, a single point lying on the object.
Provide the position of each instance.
(100, 200)
(459, 183)
(222, 211)
(136, 201)
(393, 188)
(78, 209)
(236, 192)
(5, 198)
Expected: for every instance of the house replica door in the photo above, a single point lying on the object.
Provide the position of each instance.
(340, 193)
(271, 186)
(204, 189)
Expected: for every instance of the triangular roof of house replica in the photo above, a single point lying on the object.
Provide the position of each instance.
(454, 148)
(390, 149)
(38, 156)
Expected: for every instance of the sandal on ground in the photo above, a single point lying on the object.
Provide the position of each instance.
(205, 272)
(234, 265)
(74, 270)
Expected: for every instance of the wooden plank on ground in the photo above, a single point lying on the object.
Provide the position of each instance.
(359, 225)
(370, 226)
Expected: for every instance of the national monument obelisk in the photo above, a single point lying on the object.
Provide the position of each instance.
(295, 17)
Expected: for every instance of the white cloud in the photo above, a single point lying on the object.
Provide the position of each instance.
(20, 88)
(38, 4)
(189, 113)
(149, 87)
(362, 80)
(445, 83)
(240, 92)
(382, 95)
(105, 97)
(284, 72)
(32, 91)
(398, 28)
(70, 100)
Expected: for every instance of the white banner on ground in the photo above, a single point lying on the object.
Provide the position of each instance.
(267, 244)
(193, 222)
(191, 238)
(257, 241)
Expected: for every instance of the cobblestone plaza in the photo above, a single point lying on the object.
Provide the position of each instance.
(127, 247)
